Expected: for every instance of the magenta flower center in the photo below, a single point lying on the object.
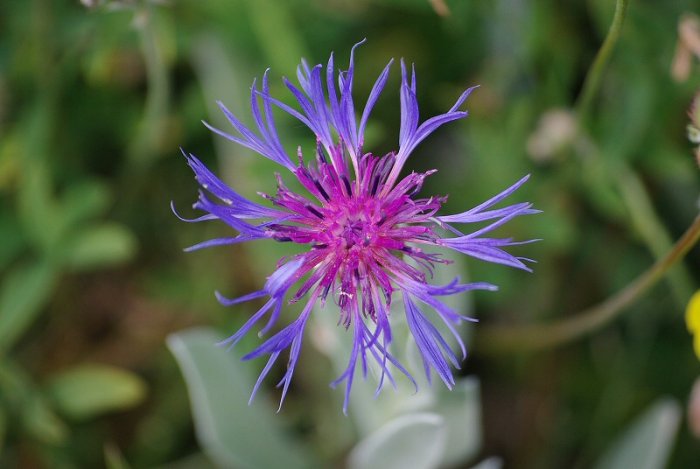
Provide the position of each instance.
(361, 238)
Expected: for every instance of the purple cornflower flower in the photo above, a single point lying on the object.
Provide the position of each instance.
(368, 233)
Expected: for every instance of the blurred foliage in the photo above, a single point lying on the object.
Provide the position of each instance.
(97, 96)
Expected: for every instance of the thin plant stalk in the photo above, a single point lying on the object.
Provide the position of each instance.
(143, 147)
(595, 74)
(500, 338)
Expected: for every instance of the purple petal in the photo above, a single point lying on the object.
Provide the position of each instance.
(263, 374)
(409, 110)
(220, 242)
(291, 364)
(229, 216)
(282, 278)
(373, 96)
(231, 341)
(242, 299)
(250, 140)
(473, 217)
(190, 220)
(243, 208)
(492, 201)
(411, 134)
(317, 123)
(431, 345)
(486, 249)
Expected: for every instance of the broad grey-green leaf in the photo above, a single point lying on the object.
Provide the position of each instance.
(647, 442)
(415, 440)
(89, 390)
(22, 295)
(231, 432)
(490, 463)
(461, 409)
(100, 246)
(367, 411)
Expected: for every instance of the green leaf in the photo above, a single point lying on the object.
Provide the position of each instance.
(24, 291)
(93, 389)
(100, 246)
(25, 403)
(647, 442)
(41, 422)
(270, 19)
(114, 459)
(36, 207)
(231, 432)
(415, 440)
(80, 202)
(14, 384)
(13, 240)
(3, 428)
(193, 461)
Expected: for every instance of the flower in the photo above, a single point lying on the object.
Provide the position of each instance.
(368, 232)
(692, 320)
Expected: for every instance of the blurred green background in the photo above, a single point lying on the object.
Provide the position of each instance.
(96, 98)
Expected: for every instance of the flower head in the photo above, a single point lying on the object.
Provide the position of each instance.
(368, 231)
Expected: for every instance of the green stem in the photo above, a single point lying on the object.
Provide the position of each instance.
(152, 129)
(595, 73)
(499, 338)
(651, 229)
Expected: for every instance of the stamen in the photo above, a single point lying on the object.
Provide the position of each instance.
(311, 209)
(375, 185)
(346, 183)
(320, 188)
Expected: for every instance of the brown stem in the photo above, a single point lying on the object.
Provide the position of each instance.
(538, 336)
